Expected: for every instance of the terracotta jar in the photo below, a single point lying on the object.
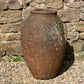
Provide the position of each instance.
(43, 43)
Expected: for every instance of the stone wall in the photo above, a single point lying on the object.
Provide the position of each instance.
(13, 12)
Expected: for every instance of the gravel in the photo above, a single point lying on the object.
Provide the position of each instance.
(18, 73)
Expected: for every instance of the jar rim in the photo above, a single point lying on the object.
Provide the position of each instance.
(44, 11)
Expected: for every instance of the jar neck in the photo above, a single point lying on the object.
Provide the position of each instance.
(44, 11)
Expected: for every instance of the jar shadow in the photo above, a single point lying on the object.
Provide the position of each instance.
(68, 59)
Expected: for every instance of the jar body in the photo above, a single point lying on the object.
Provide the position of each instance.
(43, 43)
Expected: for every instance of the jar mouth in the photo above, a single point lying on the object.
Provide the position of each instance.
(44, 11)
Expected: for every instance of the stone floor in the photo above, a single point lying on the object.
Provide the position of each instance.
(72, 72)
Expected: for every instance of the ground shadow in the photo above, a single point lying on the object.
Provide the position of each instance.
(68, 59)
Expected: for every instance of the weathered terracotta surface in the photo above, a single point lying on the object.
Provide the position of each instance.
(43, 43)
